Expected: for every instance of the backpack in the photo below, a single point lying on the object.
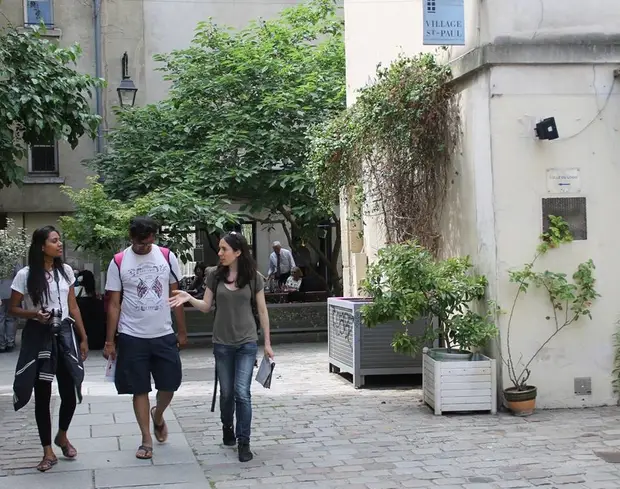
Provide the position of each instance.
(252, 285)
(118, 259)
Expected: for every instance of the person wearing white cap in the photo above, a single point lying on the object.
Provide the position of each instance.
(281, 262)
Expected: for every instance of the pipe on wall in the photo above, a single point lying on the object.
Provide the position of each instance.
(98, 94)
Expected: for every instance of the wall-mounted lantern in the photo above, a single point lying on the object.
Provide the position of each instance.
(127, 89)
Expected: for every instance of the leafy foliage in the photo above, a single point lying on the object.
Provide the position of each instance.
(615, 383)
(398, 138)
(569, 301)
(42, 98)
(14, 245)
(235, 123)
(407, 283)
(100, 224)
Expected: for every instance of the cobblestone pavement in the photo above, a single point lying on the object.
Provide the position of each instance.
(313, 429)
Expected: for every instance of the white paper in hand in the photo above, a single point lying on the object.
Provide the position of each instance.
(263, 376)
(110, 370)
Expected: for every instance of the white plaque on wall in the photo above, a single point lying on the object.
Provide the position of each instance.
(563, 181)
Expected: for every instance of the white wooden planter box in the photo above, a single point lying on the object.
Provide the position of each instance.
(460, 386)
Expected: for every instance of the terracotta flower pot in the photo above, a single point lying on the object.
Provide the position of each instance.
(521, 402)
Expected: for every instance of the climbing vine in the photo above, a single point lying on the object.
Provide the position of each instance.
(616, 370)
(398, 139)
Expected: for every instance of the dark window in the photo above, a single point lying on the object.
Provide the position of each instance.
(38, 11)
(43, 159)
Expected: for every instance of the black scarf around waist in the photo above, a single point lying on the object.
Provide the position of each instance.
(39, 356)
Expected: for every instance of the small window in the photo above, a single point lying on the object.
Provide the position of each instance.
(43, 159)
(37, 11)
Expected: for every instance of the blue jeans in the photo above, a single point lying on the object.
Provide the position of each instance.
(8, 326)
(235, 366)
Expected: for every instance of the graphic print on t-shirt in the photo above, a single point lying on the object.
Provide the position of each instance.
(149, 288)
(145, 285)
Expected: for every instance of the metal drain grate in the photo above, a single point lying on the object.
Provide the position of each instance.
(572, 209)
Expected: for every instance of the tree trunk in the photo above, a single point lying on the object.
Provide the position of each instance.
(332, 265)
(334, 269)
(293, 248)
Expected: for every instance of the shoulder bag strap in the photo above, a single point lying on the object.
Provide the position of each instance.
(57, 280)
(214, 301)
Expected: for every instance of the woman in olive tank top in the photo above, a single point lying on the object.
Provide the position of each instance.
(235, 285)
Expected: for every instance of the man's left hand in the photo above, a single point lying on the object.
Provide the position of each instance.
(84, 349)
(182, 340)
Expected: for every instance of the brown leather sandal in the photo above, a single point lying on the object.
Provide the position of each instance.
(144, 452)
(46, 464)
(160, 431)
(68, 450)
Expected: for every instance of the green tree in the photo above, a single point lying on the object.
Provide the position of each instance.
(235, 123)
(100, 224)
(14, 245)
(42, 98)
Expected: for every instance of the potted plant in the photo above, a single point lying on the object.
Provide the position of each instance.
(568, 301)
(407, 284)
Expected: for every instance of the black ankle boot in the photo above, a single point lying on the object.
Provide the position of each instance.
(245, 454)
(229, 436)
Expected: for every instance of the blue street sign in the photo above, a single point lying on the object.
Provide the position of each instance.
(444, 22)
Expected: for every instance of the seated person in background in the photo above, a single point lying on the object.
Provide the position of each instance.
(197, 288)
(293, 283)
(92, 310)
(86, 284)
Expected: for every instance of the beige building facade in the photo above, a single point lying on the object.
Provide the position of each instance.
(523, 61)
(141, 28)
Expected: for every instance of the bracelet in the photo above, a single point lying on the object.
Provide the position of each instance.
(109, 343)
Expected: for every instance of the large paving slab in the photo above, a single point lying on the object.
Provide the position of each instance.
(106, 435)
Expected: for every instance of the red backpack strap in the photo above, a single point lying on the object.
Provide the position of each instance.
(118, 259)
(166, 253)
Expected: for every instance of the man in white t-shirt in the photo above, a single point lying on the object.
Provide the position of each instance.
(145, 274)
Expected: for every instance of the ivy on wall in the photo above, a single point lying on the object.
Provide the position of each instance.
(398, 138)
(616, 370)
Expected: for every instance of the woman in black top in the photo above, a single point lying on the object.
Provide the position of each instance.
(197, 289)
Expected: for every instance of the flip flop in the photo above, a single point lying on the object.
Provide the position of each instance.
(46, 464)
(147, 451)
(160, 431)
(68, 450)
